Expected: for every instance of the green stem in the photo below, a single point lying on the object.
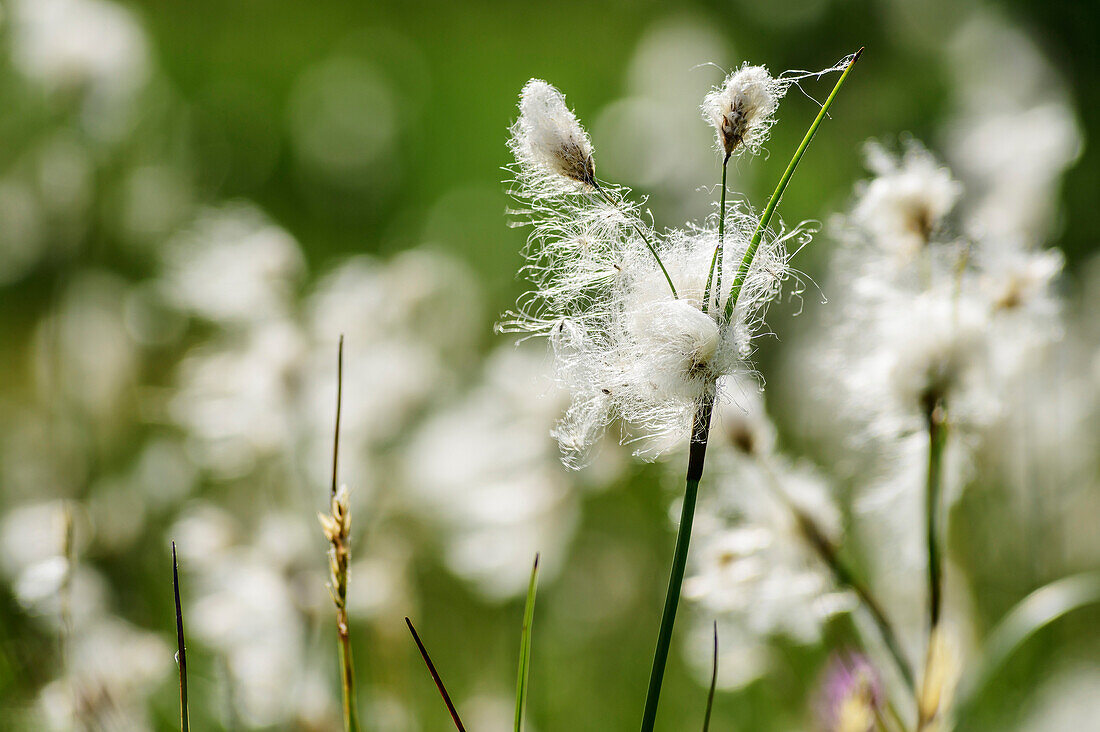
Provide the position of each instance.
(700, 433)
(525, 646)
(845, 577)
(649, 245)
(765, 219)
(716, 260)
(937, 440)
(351, 714)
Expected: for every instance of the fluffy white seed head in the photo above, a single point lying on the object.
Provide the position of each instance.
(936, 344)
(627, 348)
(906, 202)
(742, 109)
(677, 344)
(547, 135)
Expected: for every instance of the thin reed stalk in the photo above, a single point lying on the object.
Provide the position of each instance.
(935, 419)
(337, 526)
(713, 681)
(181, 647)
(435, 677)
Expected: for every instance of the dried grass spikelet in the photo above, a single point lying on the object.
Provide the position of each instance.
(336, 527)
(548, 135)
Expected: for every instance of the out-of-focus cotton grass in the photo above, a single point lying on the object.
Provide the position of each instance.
(932, 330)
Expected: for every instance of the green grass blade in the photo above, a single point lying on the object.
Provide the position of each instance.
(765, 219)
(1035, 612)
(525, 646)
(181, 648)
(713, 681)
(435, 677)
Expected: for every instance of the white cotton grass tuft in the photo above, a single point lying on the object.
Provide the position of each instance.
(547, 135)
(622, 303)
(742, 108)
(923, 324)
(920, 314)
(626, 349)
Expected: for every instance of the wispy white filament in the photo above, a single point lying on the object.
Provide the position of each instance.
(626, 347)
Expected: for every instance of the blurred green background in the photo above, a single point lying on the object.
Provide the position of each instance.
(376, 128)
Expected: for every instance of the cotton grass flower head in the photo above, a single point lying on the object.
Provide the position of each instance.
(742, 109)
(548, 136)
(626, 345)
(754, 568)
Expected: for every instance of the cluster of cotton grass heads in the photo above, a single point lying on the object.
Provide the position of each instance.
(646, 324)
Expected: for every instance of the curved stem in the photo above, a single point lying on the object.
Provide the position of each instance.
(765, 219)
(649, 245)
(829, 554)
(845, 577)
(700, 433)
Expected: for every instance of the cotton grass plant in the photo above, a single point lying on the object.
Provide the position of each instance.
(640, 323)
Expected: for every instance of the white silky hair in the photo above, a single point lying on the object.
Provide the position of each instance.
(626, 347)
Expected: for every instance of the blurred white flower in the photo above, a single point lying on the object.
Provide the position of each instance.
(235, 398)
(85, 351)
(233, 266)
(754, 567)
(113, 668)
(1013, 132)
(907, 200)
(485, 472)
(93, 46)
(242, 606)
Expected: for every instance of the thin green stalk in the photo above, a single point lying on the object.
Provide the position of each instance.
(525, 646)
(713, 681)
(843, 574)
(765, 219)
(649, 245)
(351, 712)
(716, 261)
(937, 440)
(845, 577)
(435, 677)
(337, 527)
(700, 433)
(181, 648)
